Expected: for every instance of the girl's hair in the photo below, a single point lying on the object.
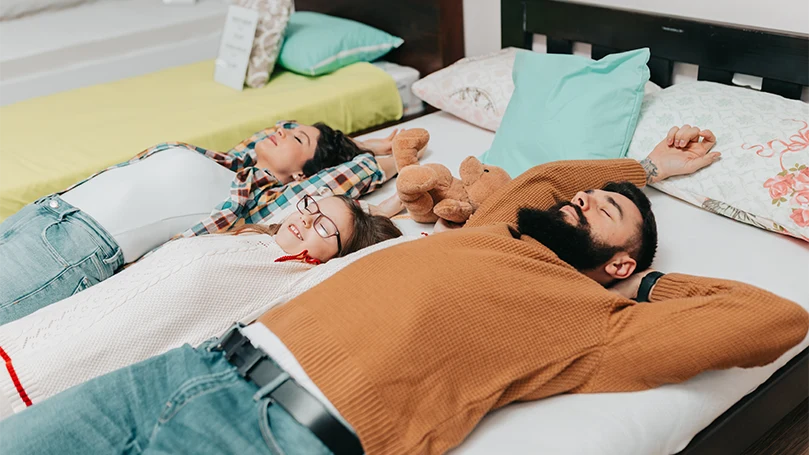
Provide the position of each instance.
(368, 229)
(333, 147)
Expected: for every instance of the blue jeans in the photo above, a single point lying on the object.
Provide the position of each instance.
(49, 251)
(184, 401)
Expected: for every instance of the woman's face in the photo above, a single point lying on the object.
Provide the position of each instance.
(314, 227)
(285, 152)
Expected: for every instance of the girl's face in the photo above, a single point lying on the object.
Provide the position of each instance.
(320, 228)
(285, 152)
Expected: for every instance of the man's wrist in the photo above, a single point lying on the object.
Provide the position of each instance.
(647, 284)
(652, 171)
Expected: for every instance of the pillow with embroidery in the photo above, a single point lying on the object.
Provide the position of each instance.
(762, 178)
(273, 17)
(476, 89)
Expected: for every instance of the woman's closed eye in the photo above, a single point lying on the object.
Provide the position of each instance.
(298, 139)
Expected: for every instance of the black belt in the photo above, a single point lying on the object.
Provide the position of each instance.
(256, 366)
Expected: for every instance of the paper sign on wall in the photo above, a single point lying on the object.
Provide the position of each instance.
(235, 47)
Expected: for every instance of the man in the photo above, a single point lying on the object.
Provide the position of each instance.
(452, 327)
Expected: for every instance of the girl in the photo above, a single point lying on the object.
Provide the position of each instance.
(67, 242)
(186, 291)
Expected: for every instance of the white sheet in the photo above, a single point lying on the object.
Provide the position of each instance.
(659, 421)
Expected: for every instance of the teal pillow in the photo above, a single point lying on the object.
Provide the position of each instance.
(566, 107)
(317, 44)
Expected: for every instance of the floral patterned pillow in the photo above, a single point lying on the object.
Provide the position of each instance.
(273, 16)
(762, 178)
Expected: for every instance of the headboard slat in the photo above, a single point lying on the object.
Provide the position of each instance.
(780, 58)
(432, 29)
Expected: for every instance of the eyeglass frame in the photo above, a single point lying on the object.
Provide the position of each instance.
(305, 211)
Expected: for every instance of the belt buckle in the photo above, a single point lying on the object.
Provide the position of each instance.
(225, 339)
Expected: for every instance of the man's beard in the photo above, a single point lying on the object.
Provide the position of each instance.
(573, 244)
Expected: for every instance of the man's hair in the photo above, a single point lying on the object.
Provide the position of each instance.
(333, 148)
(643, 245)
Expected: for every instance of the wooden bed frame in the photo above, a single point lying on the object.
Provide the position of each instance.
(720, 50)
(432, 29)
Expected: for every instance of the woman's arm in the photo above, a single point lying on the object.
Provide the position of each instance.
(378, 146)
(388, 208)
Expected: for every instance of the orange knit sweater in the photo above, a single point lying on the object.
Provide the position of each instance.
(460, 323)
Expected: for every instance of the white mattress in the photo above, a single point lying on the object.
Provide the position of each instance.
(102, 41)
(658, 421)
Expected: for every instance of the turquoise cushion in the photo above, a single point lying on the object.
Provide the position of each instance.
(566, 107)
(317, 44)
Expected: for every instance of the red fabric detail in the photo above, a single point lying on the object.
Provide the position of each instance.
(14, 378)
(303, 256)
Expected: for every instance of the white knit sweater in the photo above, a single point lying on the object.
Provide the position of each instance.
(186, 292)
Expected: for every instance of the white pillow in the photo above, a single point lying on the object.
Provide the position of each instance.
(476, 89)
(762, 178)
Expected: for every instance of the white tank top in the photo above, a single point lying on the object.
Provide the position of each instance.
(145, 204)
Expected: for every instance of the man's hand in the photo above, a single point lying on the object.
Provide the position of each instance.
(680, 153)
(380, 146)
(628, 288)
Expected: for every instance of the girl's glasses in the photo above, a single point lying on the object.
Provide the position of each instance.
(323, 225)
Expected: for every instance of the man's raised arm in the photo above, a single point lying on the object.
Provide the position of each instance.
(681, 152)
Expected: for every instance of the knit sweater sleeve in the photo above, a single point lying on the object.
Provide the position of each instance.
(542, 186)
(695, 324)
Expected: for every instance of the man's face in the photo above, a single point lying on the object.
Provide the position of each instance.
(586, 231)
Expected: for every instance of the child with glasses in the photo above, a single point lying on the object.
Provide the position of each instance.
(189, 290)
(66, 242)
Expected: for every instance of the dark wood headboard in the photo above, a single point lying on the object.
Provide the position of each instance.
(432, 29)
(720, 50)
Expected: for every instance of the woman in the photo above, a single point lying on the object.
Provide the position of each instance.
(186, 291)
(67, 242)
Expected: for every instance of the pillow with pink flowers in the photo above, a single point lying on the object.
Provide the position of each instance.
(762, 178)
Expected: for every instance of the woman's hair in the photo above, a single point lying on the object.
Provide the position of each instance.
(368, 229)
(333, 147)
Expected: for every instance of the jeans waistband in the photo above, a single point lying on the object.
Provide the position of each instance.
(60, 209)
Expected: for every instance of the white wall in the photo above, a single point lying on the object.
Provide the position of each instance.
(482, 17)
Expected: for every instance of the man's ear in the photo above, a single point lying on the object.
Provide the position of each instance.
(621, 266)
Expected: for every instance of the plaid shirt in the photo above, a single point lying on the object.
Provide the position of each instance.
(255, 194)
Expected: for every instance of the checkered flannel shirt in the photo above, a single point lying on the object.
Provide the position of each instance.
(256, 195)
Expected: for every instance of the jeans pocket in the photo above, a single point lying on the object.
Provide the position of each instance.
(69, 242)
(195, 388)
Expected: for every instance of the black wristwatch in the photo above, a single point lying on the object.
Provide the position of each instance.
(646, 285)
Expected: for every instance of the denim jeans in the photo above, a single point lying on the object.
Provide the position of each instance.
(49, 251)
(184, 401)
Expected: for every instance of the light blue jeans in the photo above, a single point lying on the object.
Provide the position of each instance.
(49, 251)
(186, 401)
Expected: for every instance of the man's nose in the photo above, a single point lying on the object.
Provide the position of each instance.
(582, 199)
